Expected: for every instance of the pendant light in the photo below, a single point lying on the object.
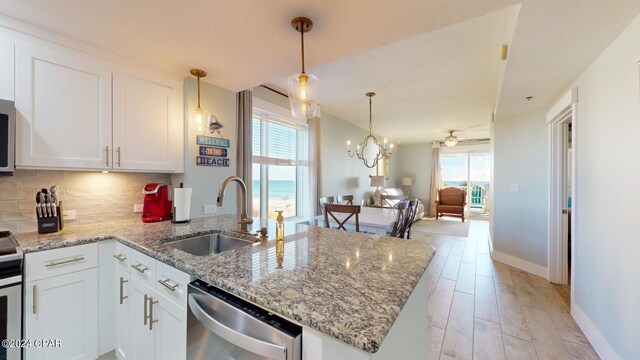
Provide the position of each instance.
(451, 140)
(199, 111)
(370, 151)
(303, 87)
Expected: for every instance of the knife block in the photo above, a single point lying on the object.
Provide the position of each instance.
(51, 224)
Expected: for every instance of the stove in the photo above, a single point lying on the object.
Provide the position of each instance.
(11, 259)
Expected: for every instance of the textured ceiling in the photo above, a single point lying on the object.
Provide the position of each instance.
(241, 43)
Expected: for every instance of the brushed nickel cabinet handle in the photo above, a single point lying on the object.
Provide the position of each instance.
(35, 299)
(61, 262)
(151, 321)
(141, 268)
(107, 151)
(118, 156)
(146, 309)
(165, 283)
(122, 297)
(120, 257)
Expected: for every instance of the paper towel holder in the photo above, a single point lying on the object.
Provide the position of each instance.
(173, 217)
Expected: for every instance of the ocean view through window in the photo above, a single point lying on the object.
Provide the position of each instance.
(279, 165)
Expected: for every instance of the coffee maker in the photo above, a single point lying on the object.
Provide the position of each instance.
(157, 205)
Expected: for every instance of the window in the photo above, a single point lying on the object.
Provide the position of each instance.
(470, 171)
(279, 165)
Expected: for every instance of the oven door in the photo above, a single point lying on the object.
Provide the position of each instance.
(7, 137)
(10, 315)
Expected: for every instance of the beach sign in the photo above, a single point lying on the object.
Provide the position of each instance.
(212, 141)
(212, 151)
(212, 161)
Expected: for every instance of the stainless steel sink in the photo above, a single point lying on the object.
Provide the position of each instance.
(209, 244)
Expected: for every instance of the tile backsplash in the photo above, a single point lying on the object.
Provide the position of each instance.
(96, 197)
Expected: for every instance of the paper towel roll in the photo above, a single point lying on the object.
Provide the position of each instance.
(181, 204)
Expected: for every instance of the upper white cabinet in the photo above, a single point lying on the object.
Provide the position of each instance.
(80, 111)
(147, 125)
(63, 103)
(7, 69)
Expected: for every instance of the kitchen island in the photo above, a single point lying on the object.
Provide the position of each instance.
(357, 296)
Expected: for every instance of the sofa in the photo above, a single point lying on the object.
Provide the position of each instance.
(369, 200)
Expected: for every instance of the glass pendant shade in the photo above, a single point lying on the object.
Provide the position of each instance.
(303, 95)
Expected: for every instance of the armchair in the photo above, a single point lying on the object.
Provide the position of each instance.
(451, 202)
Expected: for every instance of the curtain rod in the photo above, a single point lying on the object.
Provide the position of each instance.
(275, 91)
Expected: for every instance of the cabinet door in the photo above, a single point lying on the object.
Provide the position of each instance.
(142, 337)
(170, 330)
(63, 102)
(63, 307)
(7, 69)
(122, 314)
(147, 128)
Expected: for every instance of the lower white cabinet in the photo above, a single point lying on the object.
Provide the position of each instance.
(122, 308)
(64, 308)
(150, 325)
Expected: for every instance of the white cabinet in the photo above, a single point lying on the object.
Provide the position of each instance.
(142, 334)
(147, 125)
(79, 111)
(63, 103)
(63, 307)
(7, 69)
(122, 314)
(156, 325)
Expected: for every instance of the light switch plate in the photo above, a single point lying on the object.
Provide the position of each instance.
(515, 187)
(210, 209)
(137, 208)
(69, 214)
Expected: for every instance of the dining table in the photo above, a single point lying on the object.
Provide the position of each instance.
(373, 220)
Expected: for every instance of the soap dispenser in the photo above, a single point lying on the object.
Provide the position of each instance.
(279, 239)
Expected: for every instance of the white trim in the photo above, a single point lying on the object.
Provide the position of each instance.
(275, 110)
(598, 342)
(563, 110)
(518, 263)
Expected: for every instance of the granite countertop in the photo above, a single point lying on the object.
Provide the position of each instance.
(346, 285)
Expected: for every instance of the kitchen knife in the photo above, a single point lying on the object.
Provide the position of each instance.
(43, 201)
(52, 205)
(38, 205)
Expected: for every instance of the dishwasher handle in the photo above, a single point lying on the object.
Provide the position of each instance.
(237, 338)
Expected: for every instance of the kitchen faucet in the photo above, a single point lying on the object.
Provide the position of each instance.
(244, 219)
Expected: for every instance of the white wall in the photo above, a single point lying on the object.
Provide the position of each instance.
(342, 175)
(520, 157)
(414, 161)
(607, 204)
(206, 180)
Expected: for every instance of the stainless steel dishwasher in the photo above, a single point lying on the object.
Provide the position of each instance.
(222, 326)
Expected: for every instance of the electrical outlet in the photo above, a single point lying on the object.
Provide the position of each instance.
(137, 208)
(210, 209)
(515, 187)
(69, 214)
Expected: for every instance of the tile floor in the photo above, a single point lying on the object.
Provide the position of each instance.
(483, 309)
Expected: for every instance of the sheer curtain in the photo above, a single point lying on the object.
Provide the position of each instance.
(244, 156)
(436, 178)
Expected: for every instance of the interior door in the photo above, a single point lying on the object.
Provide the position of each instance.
(63, 103)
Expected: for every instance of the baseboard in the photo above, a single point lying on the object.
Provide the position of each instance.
(518, 263)
(598, 342)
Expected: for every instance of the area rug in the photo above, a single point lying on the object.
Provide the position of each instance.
(442, 227)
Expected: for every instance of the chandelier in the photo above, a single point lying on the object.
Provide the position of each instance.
(370, 151)
(451, 140)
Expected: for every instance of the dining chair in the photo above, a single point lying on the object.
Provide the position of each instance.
(399, 225)
(325, 200)
(345, 200)
(331, 209)
(413, 209)
(391, 200)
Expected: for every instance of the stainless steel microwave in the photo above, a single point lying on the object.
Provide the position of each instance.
(7, 137)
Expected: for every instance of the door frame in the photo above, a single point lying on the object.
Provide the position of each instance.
(557, 117)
